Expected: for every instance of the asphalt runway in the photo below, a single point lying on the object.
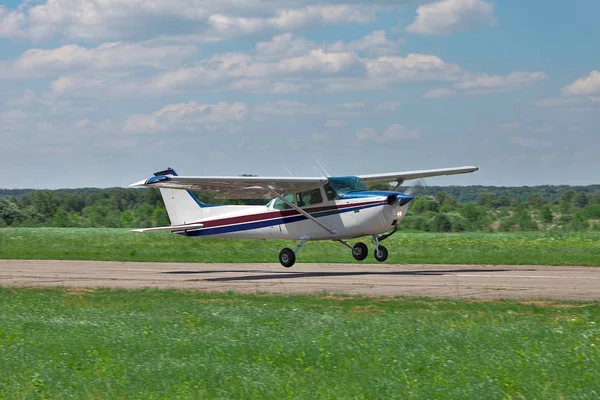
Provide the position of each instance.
(458, 281)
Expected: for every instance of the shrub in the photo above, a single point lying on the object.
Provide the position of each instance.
(440, 223)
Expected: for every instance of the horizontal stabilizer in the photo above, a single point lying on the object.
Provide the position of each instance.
(188, 227)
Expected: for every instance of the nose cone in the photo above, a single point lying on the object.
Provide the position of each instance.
(404, 198)
(399, 198)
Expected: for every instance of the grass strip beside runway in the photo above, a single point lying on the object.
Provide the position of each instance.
(161, 344)
(535, 248)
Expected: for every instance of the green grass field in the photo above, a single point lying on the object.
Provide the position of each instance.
(405, 248)
(160, 344)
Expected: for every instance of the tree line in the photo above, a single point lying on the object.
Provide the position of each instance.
(436, 208)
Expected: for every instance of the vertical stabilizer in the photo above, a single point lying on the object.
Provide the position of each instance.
(182, 206)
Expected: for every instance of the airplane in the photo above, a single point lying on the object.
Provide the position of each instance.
(333, 208)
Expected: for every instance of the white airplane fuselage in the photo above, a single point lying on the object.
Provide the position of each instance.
(354, 215)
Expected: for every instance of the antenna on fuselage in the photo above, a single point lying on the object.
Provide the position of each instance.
(289, 172)
(320, 172)
(324, 170)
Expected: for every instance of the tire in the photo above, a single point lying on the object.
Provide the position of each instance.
(381, 254)
(360, 251)
(287, 257)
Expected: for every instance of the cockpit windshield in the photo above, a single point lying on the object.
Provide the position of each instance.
(345, 184)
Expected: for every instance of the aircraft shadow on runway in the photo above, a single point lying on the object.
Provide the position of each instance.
(296, 275)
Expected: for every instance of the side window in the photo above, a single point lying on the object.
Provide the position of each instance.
(309, 197)
(329, 192)
(281, 205)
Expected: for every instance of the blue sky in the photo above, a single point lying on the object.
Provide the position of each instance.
(103, 93)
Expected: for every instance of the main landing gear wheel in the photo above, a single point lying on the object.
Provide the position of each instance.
(381, 253)
(287, 257)
(360, 251)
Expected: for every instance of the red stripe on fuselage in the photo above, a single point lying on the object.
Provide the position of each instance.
(277, 214)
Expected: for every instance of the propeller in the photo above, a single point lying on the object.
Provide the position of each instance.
(405, 196)
(415, 189)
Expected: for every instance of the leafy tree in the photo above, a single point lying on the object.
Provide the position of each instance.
(45, 202)
(546, 214)
(522, 218)
(160, 217)
(581, 200)
(459, 223)
(440, 223)
(566, 201)
(579, 222)
(425, 203)
(31, 216)
(9, 212)
(591, 211)
(504, 201)
(535, 200)
(61, 218)
(487, 199)
(473, 214)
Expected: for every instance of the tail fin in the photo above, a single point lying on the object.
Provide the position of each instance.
(182, 206)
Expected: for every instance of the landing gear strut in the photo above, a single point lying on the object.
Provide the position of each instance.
(381, 252)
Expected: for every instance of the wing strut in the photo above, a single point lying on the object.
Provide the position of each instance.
(301, 211)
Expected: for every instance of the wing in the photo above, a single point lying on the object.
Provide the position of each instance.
(235, 187)
(408, 175)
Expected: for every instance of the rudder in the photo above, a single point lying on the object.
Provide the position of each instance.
(183, 207)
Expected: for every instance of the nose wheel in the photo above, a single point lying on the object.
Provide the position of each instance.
(381, 253)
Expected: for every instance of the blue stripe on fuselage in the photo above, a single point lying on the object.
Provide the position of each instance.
(271, 222)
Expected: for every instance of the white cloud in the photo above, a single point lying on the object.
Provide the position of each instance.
(484, 83)
(588, 85)
(373, 44)
(394, 133)
(108, 56)
(72, 83)
(286, 108)
(287, 87)
(449, 16)
(413, 67)
(439, 93)
(206, 20)
(284, 46)
(584, 91)
(186, 116)
(318, 60)
(251, 72)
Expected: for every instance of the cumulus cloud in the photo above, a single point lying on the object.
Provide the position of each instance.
(413, 67)
(108, 56)
(584, 91)
(588, 85)
(484, 83)
(478, 84)
(449, 16)
(374, 44)
(186, 116)
(208, 20)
